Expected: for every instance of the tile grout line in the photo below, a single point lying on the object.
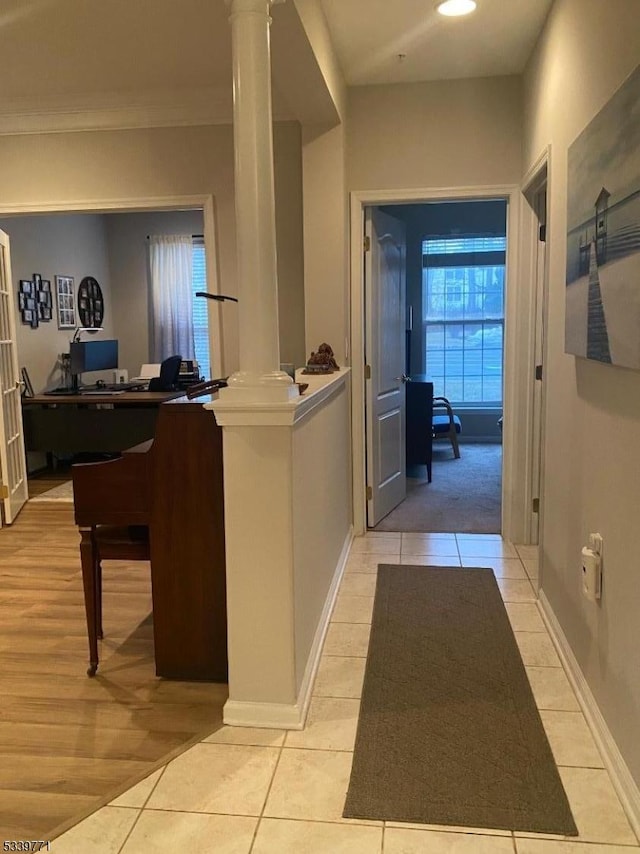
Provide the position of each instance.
(268, 792)
(143, 807)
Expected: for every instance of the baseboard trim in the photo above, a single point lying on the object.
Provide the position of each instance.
(294, 715)
(623, 782)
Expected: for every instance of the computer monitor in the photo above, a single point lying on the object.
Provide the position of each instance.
(88, 356)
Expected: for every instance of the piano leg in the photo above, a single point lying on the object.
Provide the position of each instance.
(89, 581)
(99, 599)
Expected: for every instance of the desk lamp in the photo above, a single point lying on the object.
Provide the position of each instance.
(90, 329)
(209, 386)
(217, 297)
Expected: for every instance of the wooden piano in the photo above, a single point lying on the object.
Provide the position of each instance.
(172, 484)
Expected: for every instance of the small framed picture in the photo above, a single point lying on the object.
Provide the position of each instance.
(28, 386)
(65, 302)
(46, 285)
(34, 320)
(30, 303)
(45, 313)
(22, 301)
(42, 297)
(27, 315)
(26, 286)
(37, 279)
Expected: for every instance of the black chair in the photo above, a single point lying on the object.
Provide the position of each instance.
(168, 379)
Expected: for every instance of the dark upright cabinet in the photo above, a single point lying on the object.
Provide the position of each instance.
(419, 412)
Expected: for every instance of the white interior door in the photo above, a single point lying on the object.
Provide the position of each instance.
(385, 343)
(13, 468)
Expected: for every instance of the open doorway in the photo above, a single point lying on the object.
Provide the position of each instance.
(110, 247)
(455, 310)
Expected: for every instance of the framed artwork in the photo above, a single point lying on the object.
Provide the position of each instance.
(28, 387)
(65, 302)
(90, 302)
(602, 320)
(34, 300)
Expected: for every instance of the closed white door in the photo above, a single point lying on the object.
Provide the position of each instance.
(385, 345)
(13, 468)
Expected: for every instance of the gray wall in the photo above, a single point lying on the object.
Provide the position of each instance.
(592, 426)
(69, 245)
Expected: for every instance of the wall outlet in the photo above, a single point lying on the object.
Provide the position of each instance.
(592, 568)
(595, 543)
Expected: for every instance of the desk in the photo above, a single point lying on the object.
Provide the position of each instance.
(75, 423)
(419, 415)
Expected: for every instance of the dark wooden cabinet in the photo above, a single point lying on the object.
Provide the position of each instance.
(419, 415)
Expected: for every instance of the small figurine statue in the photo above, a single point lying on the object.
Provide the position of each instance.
(324, 357)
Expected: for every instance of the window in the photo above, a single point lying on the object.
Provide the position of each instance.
(200, 314)
(463, 317)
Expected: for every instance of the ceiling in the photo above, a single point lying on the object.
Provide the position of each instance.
(173, 59)
(407, 41)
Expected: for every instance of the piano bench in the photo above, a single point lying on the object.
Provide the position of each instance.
(98, 543)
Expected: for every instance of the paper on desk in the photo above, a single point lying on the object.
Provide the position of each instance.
(147, 372)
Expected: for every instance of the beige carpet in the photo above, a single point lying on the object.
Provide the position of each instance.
(464, 495)
(62, 493)
(448, 731)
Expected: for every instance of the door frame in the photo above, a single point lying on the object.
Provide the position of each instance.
(537, 177)
(516, 441)
(140, 204)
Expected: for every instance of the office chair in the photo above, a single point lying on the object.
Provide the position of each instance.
(168, 379)
(446, 426)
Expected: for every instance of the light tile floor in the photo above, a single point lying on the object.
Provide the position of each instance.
(247, 791)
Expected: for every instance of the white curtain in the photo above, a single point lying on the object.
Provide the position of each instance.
(171, 268)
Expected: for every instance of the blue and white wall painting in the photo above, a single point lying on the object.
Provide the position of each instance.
(603, 233)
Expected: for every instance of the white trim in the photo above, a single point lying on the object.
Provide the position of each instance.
(214, 308)
(537, 176)
(532, 180)
(294, 716)
(512, 502)
(231, 413)
(621, 777)
(135, 204)
(212, 105)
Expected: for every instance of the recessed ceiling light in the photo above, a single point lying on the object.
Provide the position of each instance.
(453, 8)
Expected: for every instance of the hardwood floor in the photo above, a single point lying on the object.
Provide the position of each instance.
(69, 744)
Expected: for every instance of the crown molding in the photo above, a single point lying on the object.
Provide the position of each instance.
(119, 111)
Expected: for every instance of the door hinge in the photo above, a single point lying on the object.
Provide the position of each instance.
(536, 505)
(538, 372)
(369, 493)
(366, 243)
(543, 234)
(367, 372)
(4, 490)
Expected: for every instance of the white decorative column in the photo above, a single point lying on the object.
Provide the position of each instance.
(259, 377)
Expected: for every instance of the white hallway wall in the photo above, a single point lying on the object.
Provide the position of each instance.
(592, 452)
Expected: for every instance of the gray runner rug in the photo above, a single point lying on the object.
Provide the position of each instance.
(448, 731)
